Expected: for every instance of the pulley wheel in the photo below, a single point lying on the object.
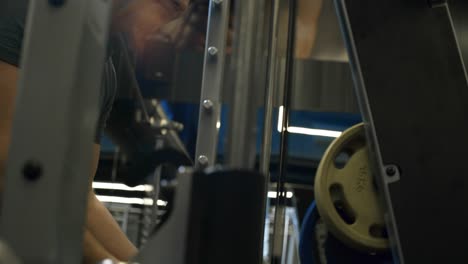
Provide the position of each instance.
(346, 195)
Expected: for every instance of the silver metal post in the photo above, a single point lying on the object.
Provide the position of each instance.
(53, 129)
(213, 76)
(286, 237)
(241, 142)
(270, 92)
(268, 108)
(279, 228)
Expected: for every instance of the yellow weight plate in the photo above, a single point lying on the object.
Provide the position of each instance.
(345, 194)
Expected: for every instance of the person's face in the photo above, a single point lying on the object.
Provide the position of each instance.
(141, 18)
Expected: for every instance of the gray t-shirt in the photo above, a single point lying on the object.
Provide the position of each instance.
(11, 38)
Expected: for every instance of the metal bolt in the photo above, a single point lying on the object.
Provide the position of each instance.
(208, 105)
(212, 51)
(56, 3)
(203, 160)
(217, 1)
(177, 126)
(32, 171)
(391, 171)
(159, 75)
(138, 116)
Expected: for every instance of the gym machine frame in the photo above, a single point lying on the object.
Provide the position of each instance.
(37, 165)
(412, 90)
(53, 129)
(213, 76)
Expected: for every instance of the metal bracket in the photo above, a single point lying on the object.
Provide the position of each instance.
(213, 79)
(169, 243)
(392, 173)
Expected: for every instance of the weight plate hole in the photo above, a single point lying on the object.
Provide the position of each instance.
(342, 158)
(341, 205)
(378, 231)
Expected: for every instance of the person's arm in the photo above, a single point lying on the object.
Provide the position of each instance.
(308, 13)
(104, 228)
(93, 251)
(102, 225)
(103, 238)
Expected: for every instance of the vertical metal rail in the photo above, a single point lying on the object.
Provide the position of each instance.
(270, 87)
(278, 232)
(241, 138)
(53, 129)
(270, 92)
(213, 76)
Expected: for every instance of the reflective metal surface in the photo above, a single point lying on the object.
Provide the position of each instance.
(53, 129)
(213, 80)
(280, 206)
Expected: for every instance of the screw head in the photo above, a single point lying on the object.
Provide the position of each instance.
(391, 171)
(159, 75)
(212, 51)
(56, 3)
(208, 105)
(203, 160)
(32, 171)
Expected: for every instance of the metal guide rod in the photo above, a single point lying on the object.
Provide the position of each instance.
(264, 162)
(278, 231)
(213, 76)
(53, 129)
(241, 138)
(270, 92)
(156, 181)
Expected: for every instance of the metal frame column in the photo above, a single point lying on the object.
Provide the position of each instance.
(53, 129)
(213, 76)
(280, 206)
(270, 89)
(248, 72)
